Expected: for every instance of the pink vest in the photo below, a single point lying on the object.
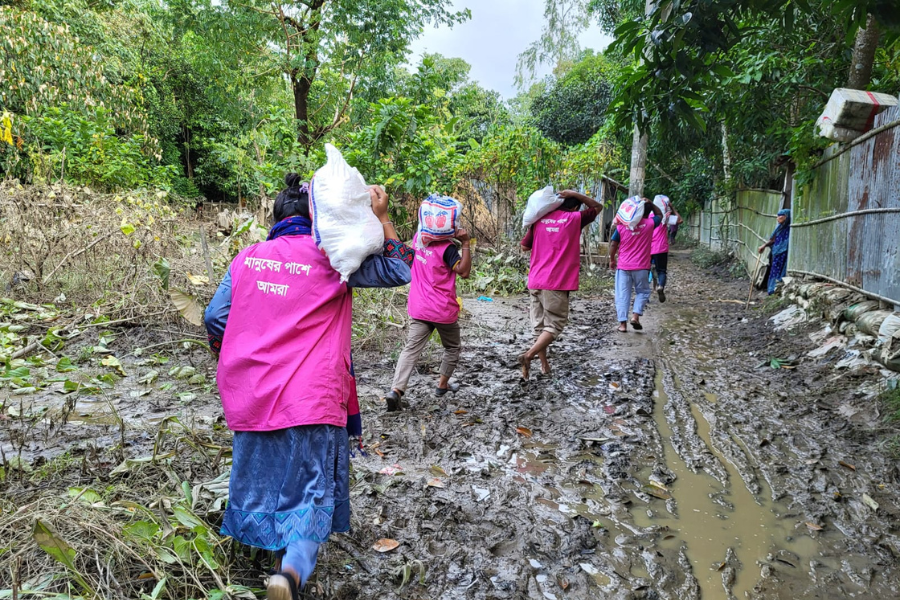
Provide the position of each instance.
(432, 292)
(285, 357)
(556, 252)
(660, 238)
(635, 246)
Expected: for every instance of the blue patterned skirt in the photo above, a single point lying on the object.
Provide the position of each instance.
(777, 271)
(288, 485)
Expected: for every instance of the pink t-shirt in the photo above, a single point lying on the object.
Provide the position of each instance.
(432, 291)
(285, 357)
(556, 252)
(661, 237)
(635, 246)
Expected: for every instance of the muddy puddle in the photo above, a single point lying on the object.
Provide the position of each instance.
(727, 530)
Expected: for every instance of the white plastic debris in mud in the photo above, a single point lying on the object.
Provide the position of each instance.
(837, 341)
(788, 318)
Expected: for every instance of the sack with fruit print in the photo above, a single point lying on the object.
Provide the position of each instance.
(438, 218)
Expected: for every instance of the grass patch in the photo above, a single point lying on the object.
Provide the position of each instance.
(705, 258)
(890, 402)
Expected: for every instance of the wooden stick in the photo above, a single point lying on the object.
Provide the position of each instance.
(205, 246)
(753, 279)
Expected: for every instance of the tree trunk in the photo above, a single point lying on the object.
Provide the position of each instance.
(639, 143)
(638, 163)
(301, 87)
(863, 55)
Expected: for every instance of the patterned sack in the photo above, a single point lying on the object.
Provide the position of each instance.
(631, 212)
(663, 203)
(438, 218)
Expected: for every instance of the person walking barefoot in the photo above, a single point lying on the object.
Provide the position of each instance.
(629, 258)
(555, 246)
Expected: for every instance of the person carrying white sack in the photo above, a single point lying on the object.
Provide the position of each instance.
(436, 262)
(554, 240)
(629, 257)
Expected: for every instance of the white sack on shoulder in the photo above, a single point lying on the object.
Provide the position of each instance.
(540, 203)
(631, 212)
(344, 226)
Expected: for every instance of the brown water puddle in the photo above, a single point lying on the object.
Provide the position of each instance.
(708, 529)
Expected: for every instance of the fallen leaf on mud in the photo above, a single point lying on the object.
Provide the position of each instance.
(722, 565)
(385, 545)
(379, 453)
(657, 493)
(392, 470)
(436, 483)
(814, 527)
(847, 465)
(869, 502)
(188, 307)
(615, 386)
(668, 537)
(197, 279)
(112, 361)
(460, 412)
(563, 582)
(523, 431)
(436, 470)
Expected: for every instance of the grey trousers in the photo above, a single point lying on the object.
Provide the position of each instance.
(419, 332)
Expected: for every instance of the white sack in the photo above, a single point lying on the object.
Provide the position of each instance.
(540, 203)
(344, 226)
(631, 212)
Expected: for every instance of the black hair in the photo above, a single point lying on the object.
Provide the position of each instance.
(292, 200)
(571, 204)
(648, 210)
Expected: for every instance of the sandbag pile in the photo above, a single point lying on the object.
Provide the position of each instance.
(869, 325)
(344, 226)
(540, 203)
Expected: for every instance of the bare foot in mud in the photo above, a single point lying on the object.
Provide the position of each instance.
(525, 363)
(545, 363)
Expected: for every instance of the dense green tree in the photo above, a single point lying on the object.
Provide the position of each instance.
(573, 107)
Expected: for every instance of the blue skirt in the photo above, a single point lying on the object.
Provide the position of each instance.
(288, 485)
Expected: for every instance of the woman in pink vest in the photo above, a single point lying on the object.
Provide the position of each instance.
(629, 257)
(280, 322)
(432, 305)
(659, 252)
(555, 246)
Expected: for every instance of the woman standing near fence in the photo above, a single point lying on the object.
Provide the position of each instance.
(779, 243)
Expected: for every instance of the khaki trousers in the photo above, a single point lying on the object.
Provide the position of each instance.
(419, 332)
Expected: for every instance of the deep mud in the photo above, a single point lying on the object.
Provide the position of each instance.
(661, 464)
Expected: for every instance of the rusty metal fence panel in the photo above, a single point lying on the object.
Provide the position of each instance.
(847, 222)
(754, 222)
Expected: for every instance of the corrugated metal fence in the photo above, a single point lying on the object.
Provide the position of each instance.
(847, 223)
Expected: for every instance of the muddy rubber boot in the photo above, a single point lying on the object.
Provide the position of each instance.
(662, 294)
(451, 387)
(393, 401)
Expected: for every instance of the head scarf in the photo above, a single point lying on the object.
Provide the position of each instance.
(782, 233)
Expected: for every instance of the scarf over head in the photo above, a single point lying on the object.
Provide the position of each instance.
(782, 233)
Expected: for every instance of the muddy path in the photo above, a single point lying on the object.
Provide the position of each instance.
(662, 464)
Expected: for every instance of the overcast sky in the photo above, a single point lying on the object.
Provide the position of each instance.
(493, 38)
